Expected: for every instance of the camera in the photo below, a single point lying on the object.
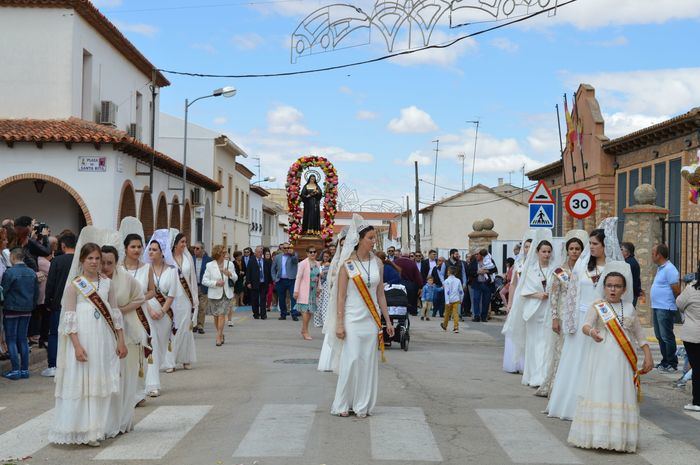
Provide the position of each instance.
(41, 229)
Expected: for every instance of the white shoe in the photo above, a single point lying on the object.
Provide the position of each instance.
(692, 407)
(49, 372)
(94, 443)
(154, 393)
(230, 323)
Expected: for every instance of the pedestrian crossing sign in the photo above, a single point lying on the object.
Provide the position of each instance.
(542, 215)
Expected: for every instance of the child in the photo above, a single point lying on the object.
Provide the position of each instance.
(453, 299)
(21, 290)
(428, 296)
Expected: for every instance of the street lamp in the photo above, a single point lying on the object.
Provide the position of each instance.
(227, 91)
(266, 179)
(476, 136)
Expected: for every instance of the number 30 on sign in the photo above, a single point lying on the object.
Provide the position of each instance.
(580, 203)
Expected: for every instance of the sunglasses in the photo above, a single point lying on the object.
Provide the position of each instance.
(196, 248)
(312, 251)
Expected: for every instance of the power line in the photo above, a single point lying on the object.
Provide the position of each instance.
(372, 60)
(459, 205)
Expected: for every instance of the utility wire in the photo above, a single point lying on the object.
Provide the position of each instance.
(372, 60)
(459, 205)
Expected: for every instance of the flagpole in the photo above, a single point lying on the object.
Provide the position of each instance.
(561, 146)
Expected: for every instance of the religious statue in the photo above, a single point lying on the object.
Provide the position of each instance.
(311, 195)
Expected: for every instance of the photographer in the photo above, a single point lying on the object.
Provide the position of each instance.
(32, 241)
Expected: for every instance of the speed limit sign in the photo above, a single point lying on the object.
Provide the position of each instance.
(580, 203)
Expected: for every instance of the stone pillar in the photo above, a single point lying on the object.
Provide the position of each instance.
(643, 229)
(483, 235)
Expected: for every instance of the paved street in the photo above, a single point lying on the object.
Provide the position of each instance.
(259, 399)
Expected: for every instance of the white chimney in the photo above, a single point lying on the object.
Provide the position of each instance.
(500, 181)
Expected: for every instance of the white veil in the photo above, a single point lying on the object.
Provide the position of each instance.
(162, 237)
(130, 225)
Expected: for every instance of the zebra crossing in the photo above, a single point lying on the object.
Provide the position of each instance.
(398, 434)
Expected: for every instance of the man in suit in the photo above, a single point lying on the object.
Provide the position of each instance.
(284, 273)
(200, 263)
(428, 264)
(247, 254)
(258, 277)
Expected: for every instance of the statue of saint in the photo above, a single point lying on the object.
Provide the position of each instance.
(311, 198)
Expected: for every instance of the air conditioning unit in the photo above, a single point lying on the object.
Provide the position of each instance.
(196, 196)
(108, 113)
(134, 131)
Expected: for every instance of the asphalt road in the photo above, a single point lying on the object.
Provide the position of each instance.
(258, 399)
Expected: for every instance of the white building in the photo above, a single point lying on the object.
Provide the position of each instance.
(79, 104)
(214, 155)
(275, 223)
(257, 194)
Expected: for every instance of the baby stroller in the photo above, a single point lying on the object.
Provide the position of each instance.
(496, 301)
(397, 306)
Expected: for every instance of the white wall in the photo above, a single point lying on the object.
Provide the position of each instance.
(256, 216)
(53, 206)
(200, 143)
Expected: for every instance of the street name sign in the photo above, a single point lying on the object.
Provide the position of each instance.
(580, 203)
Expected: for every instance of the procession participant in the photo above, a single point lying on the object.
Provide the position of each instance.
(607, 413)
(128, 297)
(306, 288)
(218, 274)
(328, 360)
(91, 342)
(557, 289)
(324, 290)
(161, 316)
(358, 325)
(602, 247)
(536, 306)
(185, 305)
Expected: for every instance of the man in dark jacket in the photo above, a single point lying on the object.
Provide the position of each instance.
(33, 249)
(411, 278)
(627, 249)
(55, 284)
(258, 277)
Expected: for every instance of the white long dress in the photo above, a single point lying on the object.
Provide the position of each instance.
(325, 360)
(87, 393)
(358, 378)
(183, 342)
(607, 412)
(160, 329)
(563, 397)
(511, 362)
(535, 312)
(135, 361)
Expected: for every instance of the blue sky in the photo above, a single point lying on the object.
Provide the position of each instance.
(372, 121)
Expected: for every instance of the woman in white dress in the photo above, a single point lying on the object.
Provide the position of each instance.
(607, 413)
(328, 360)
(159, 314)
(536, 307)
(602, 246)
(356, 325)
(91, 342)
(185, 306)
(557, 287)
(129, 297)
(511, 363)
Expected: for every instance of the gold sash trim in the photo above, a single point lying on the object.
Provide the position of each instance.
(88, 291)
(355, 275)
(188, 293)
(609, 317)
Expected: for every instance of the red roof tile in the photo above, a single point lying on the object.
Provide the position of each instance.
(75, 130)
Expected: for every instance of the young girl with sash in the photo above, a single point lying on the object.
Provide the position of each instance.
(129, 297)
(160, 314)
(185, 306)
(91, 342)
(607, 414)
(358, 323)
(557, 288)
(511, 362)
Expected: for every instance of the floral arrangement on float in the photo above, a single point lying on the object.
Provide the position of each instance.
(330, 192)
(691, 173)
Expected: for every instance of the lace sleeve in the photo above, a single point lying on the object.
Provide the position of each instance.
(69, 323)
(637, 333)
(555, 297)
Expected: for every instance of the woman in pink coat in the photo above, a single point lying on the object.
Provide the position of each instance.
(306, 289)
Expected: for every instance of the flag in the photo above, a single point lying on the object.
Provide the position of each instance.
(570, 128)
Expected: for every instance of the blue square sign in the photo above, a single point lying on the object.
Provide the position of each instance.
(542, 215)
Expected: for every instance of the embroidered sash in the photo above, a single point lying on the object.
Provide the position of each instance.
(562, 275)
(356, 276)
(188, 293)
(609, 317)
(88, 291)
(161, 300)
(147, 350)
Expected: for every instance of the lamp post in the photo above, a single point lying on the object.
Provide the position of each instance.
(476, 137)
(266, 179)
(227, 91)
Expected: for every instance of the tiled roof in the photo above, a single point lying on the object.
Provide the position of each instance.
(109, 31)
(77, 131)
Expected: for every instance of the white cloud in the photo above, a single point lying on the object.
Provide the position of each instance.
(220, 120)
(444, 57)
(364, 115)
(505, 44)
(345, 90)
(620, 123)
(412, 120)
(288, 120)
(336, 154)
(618, 41)
(545, 141)
(417, 156)
(249, 41)
(204, 47)
(599, 13)
(137, 28)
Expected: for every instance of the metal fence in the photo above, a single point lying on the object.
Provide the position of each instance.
(683, 239)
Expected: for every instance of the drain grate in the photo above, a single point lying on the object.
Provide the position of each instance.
(298, 361)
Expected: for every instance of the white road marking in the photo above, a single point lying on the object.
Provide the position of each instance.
(154, 436)
(517, 430)
(2, 408)
(658, 448)
(402, 433)
(27, 438)
(695, 415)
(279, 430)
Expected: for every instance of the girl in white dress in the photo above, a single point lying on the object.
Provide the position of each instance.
(328, 360)
(607, 414)
(602, 246)
(164, 280)
(511, 363)
(185, 306)
(129, 297)
(358, 378)
(87, 366)
(536, 306)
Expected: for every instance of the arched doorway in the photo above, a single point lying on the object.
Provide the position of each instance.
(175, 214)
(162, 213)
(46, 198)
(146, 214)
(127, 204)
(187, 221)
